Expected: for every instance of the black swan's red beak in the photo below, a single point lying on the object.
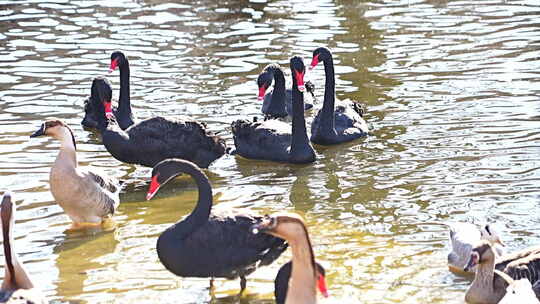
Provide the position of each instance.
(300, 80)
(154, 187)
(314, 61)
(108, 109)
(114, 65)
(321, 284)
(262, 90)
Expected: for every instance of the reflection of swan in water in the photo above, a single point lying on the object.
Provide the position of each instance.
(17, 286)
(77, 257)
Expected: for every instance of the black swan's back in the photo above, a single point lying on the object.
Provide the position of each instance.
(268, 140)
(155, 139)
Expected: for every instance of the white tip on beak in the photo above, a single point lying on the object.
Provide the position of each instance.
(301, 88)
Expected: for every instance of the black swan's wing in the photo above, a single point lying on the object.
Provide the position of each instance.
(268, 140)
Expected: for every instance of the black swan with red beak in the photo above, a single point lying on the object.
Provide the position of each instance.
(154, 139)
(339, 123)
(273, 139)
(206, 243)
(278, 102)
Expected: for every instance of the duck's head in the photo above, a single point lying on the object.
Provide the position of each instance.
(320, 54)
(117, 59)
(481, 253)
(298, 70)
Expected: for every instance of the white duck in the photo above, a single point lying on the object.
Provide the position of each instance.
(463, 236)
(17, 287)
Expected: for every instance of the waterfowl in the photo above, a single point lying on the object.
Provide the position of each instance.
(206, 243)
(281, 283)
(489, 287)
(463, 236)
(87, 197)
(17, 286)
(94, 109)
(278, 102)
(336, 122)
(518, 291)
(152, 140)
(272, 139)
(304, 275)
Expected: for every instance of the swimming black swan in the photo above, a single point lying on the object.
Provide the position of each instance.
(278, 102)
(94, 109)
(206, 244)
(281, 283)
(343, 124)
(272, 139)
(155, 139)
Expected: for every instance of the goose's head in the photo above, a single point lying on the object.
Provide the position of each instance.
(482, 253)
(489, 233)
(320, 54)
(117, 59)
(55, 128)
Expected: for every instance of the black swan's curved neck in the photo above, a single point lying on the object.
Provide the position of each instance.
(204, 203)
(124, 101)
(327, 112)
(278, 94)
(300, 138)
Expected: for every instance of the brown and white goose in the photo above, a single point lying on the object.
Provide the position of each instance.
(488, 286)
(305, 277)
(17, 286)
(86, 196)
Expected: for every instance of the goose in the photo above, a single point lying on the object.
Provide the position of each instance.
(463, 236)
(272, 139)
(304, 277)
(87, 197)
(17, 286)
(152, 140)
(278, 102)
(335, 124)
(518, 291)
(206, 243)
(281, 283)
(488, 287)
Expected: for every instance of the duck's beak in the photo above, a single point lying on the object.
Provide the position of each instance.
(39, 132)
(154, 187)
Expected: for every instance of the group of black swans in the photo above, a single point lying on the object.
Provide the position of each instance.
(206, 243)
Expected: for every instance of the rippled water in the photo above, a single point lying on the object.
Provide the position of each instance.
(452, 90)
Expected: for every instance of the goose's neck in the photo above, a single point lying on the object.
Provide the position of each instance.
(300, 139)
(15, 276)
(67, 154)
(483, 282)
(124, 101)
(327, 112)
(303, 282)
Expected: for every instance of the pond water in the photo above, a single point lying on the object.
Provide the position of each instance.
(452, 90)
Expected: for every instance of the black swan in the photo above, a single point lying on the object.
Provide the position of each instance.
(281, 283)
(278, 102)
(17, 286)
(94, 109)
(272, 139)
(155, 139)
(206, 244)
(343, 124)
(305, 277)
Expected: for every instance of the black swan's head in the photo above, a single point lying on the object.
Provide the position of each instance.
(298, 70)
(168, 169)
(264, 81)
(117, 59)
(98, 108)
(320, 54)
